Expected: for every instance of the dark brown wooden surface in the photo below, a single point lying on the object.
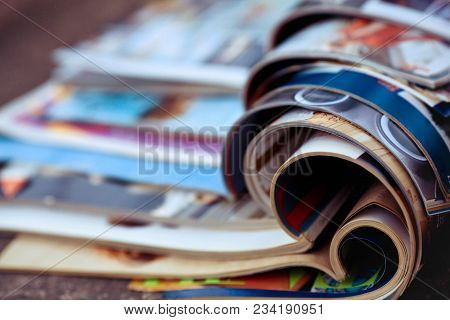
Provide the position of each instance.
(25, 63)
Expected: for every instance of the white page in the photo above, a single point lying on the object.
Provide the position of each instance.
(83, 226)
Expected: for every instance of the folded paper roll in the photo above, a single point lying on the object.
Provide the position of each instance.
(314, 191)
(348, 158)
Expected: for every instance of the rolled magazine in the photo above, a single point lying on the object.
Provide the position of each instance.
(345, 139)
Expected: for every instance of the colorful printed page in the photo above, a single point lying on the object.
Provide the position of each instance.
(414, 53)
(355, 282)
(135, 109)
(287, 279)
(55, 188)
(161, 173)
(96, 106)
(172, 41)
(174, 129)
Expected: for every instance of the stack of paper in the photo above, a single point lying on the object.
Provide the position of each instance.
(140, 160)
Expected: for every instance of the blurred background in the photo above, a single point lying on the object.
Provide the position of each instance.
(25, 49)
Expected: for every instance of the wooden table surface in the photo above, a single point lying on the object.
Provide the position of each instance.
(25, 62)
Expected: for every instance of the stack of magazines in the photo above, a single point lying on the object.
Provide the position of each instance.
(259, 149)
